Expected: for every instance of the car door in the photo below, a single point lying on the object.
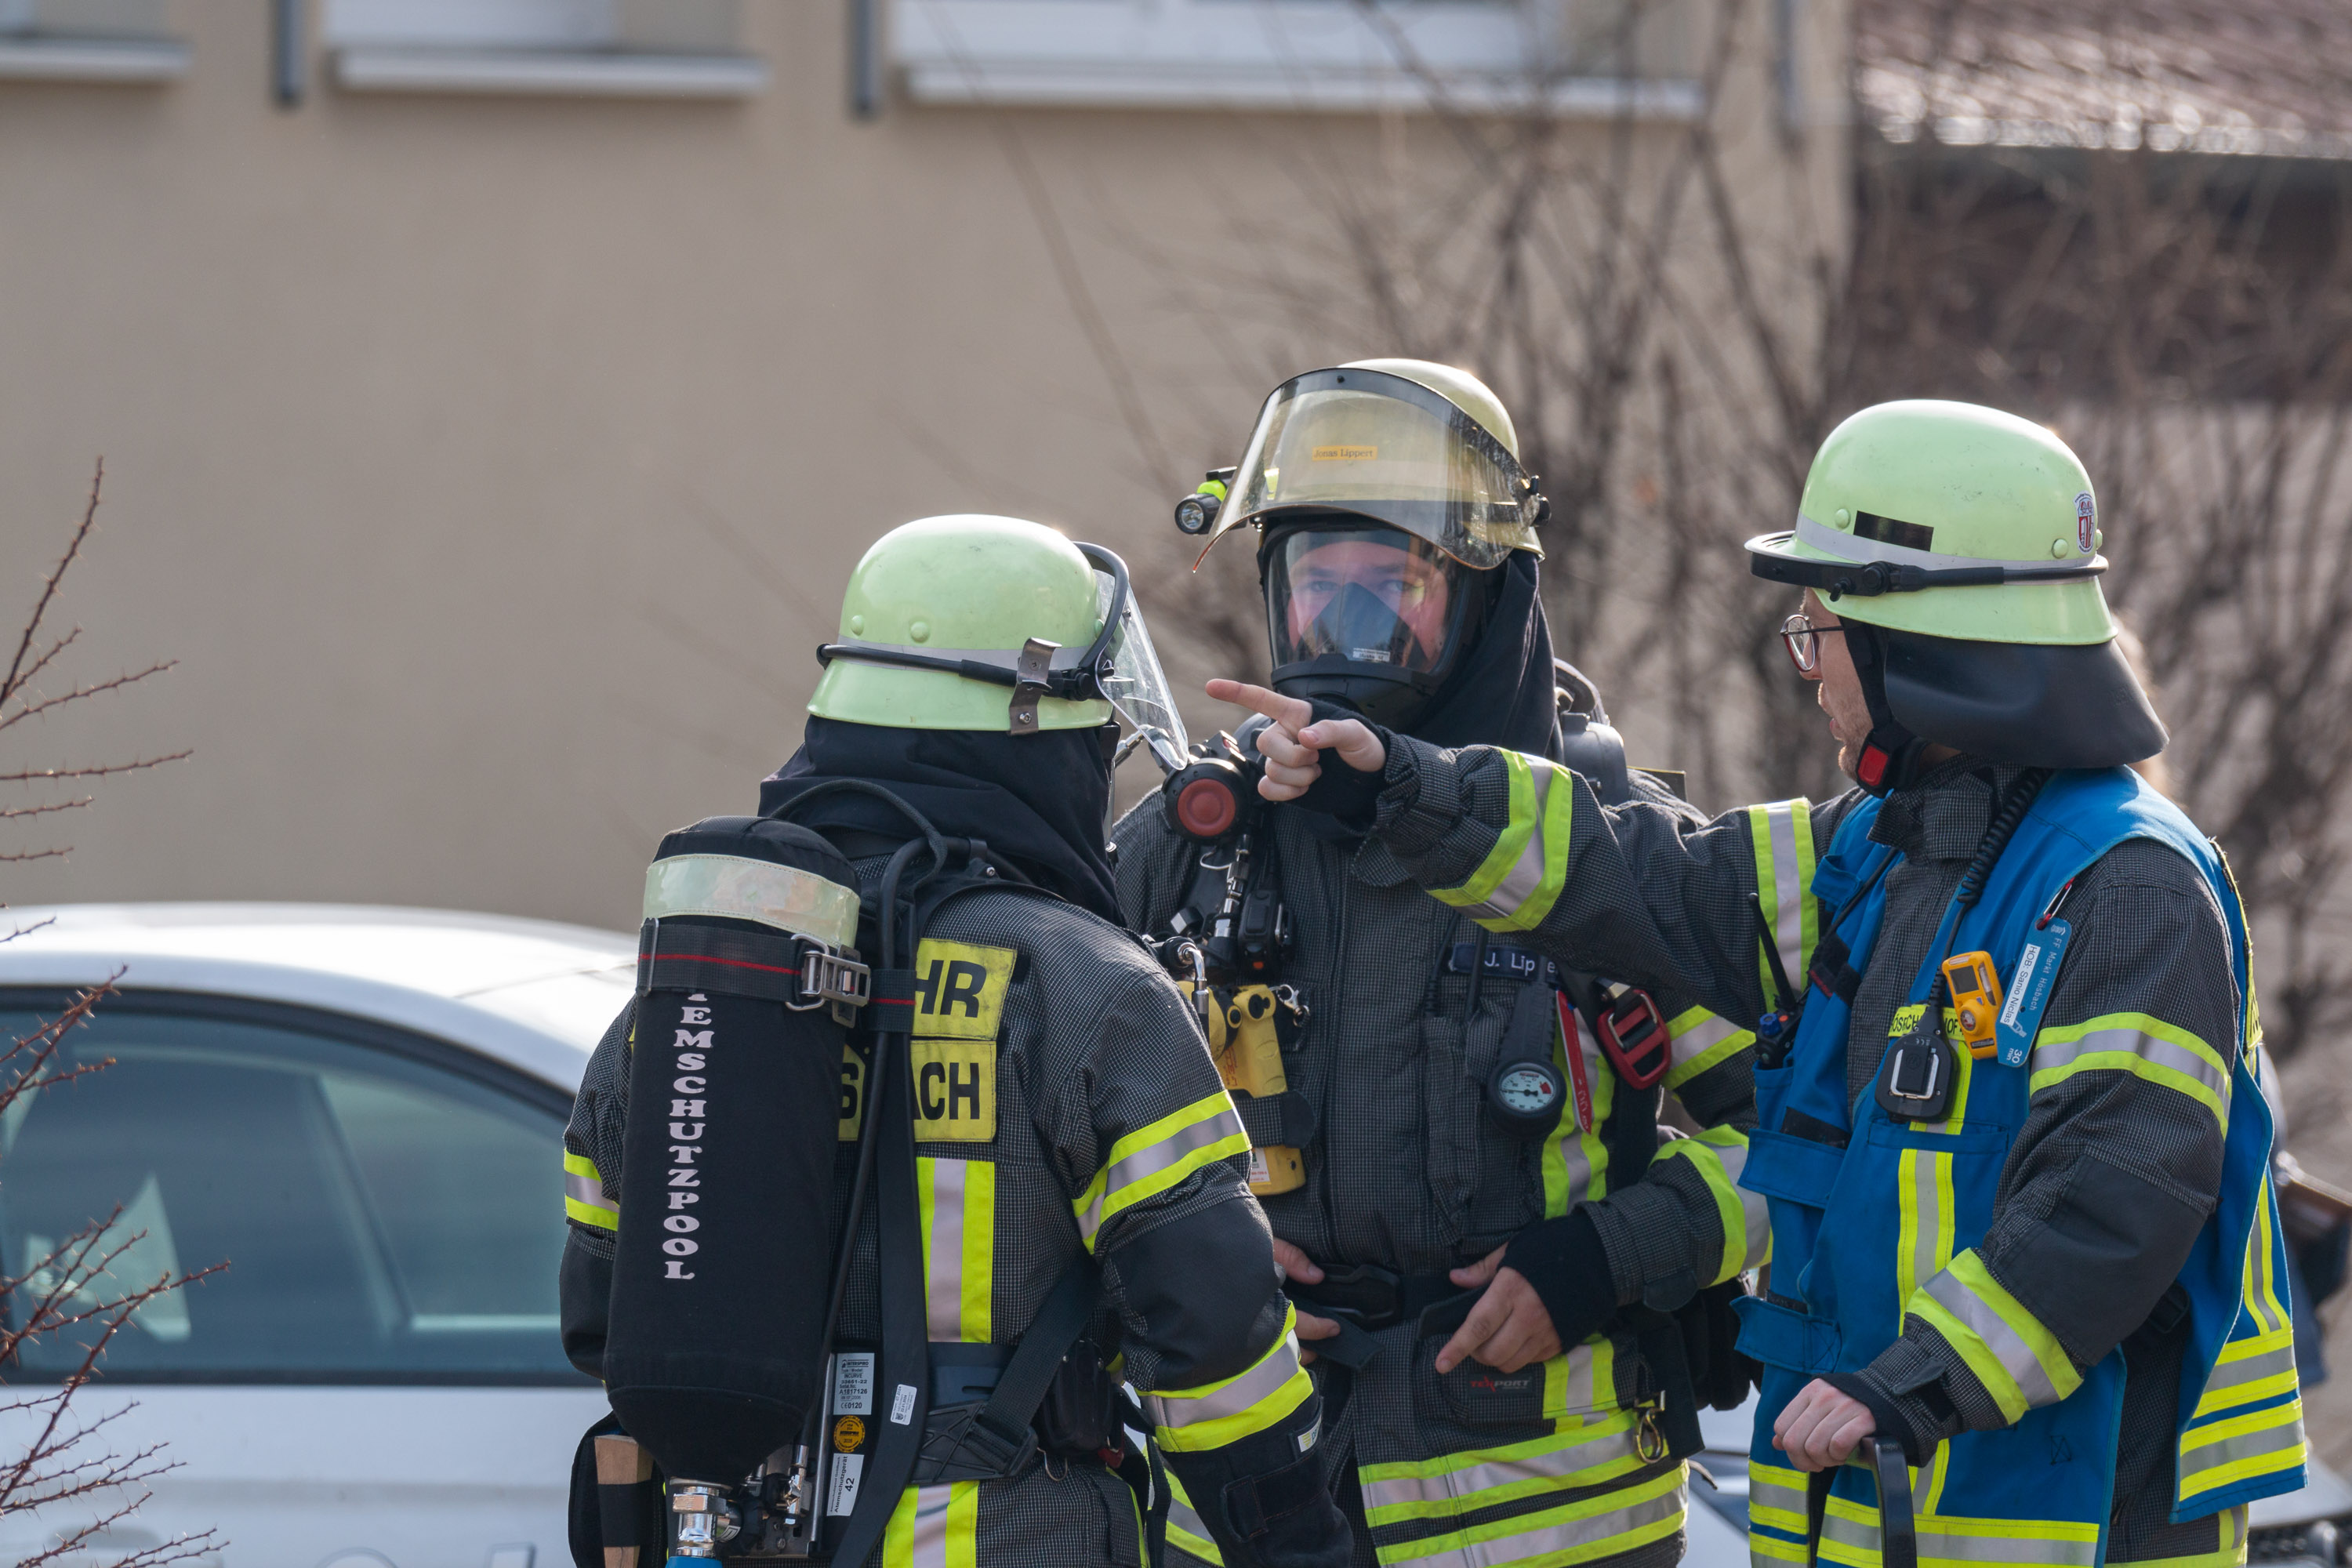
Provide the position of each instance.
(374, 1374)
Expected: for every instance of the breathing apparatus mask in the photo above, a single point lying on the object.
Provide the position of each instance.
(1370, 617)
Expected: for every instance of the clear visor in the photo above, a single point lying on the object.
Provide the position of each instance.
(1373, 597)
(1387, 449)
(1137, 687)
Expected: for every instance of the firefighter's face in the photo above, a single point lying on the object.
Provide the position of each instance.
(1414, 589)
(1837, 687)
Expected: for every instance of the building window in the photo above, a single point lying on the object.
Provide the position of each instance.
(125, 41)
(1336, 55)
(652, 49)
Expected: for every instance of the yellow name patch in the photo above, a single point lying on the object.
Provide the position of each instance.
(959, 1007)
(1344, 454)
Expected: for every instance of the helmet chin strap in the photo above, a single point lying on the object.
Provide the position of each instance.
(1892, 757)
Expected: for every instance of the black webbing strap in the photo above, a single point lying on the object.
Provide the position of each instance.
(682, 957)
(892, 1010)
(902, 1392)
(1898, 1533)
(1047, 1340)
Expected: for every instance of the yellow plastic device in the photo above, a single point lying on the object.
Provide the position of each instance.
(1975, 998)
(1248, 1054)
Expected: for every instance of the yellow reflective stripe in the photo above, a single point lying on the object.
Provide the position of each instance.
(1719, 1154)
(1515, 886)
(1187, 1420)
(957, 1201)
(1850, 1535)
(2018, 1362)
(928, 1528)
(584, 1194)
(1764, 1547)
(1154, 1158)
(1777, 1496)
(1701, 1041)
(1781, 833)
(1924, 1241)
(2261, 1282)
(1186, 1529)
(2240, 1448)
(1578, 1531)
(1451, 1484)
(2138, 1044)
(1575, 1163)
(2259, 1367)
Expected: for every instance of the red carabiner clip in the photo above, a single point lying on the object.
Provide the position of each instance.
(1634, 1034)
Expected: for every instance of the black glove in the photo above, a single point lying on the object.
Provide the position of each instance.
(1263, 1498)
(1720, 1375)
(1348, 796)
(1564, 1260)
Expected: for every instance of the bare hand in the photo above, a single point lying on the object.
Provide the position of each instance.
(1291, 745)
(1821, 1427)
(1296, 1264)
(1509, 1328)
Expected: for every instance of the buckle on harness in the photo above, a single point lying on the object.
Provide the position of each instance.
(829, 974)
(1633, 1032)
(1032, 684)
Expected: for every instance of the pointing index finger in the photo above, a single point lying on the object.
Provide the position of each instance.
(1292, 713)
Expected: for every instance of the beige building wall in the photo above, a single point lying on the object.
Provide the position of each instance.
(492, 464)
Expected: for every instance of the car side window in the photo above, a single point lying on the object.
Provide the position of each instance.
(384, 1214)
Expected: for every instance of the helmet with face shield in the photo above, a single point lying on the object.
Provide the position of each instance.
(992, 622)
(1388, 492)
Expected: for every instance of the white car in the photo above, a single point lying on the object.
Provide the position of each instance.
(359, 1111)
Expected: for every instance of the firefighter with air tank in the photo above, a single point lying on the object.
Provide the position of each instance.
(2026, 1262)
(1515, 1291)
(905, 1161)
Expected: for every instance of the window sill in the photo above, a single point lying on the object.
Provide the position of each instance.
(583, 74)
(129, 61)
(1324, 88)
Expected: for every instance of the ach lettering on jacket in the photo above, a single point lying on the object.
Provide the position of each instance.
(959, 1007)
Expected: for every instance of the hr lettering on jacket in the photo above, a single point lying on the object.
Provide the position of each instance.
(959, 1001)
(687, 1117)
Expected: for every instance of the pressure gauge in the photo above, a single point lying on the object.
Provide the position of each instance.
(1523, 1099)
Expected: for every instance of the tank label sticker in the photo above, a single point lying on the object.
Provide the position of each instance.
(853, 1382)
(960, 989)
(841, 1484)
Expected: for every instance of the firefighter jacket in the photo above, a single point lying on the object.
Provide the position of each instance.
(2107, 1190)
(1405, 1171)
(1065, 1102)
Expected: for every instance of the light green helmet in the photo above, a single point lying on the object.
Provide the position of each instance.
(990, 623)
(951, 589)
(1949, 520)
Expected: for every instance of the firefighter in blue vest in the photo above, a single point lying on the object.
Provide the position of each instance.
(2026, 1261)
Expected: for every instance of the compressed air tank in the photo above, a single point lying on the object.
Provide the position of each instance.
(714, 1352)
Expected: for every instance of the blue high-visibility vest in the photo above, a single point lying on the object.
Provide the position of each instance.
(1876, 1220)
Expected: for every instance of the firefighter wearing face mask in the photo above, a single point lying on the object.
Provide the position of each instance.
(1047, 1171)
(1506, 1278)
(2027, 1261)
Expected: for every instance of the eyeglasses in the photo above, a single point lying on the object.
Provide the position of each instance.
(1799, 635)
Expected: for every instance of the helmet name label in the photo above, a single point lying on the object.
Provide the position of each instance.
(1344, 454)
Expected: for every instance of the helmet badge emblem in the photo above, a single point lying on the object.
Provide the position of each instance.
(2086, 520)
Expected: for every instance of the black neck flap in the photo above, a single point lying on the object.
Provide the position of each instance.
(1891, 758)
(1039, 800)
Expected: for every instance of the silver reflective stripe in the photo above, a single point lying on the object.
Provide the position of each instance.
(2213, 1454)
(588, 1190)
(1260, 1382)
(930, 1536)
(1527, 873)
(1926, 1219)
(1861, 1536)
(1154, 1158)
(2016, 1357)
(739, 888)
(2133, 1042)
(1560, 1465)
(1542, 1541)
(2252, 1369)
(1181, 1517)
(1755, 1216)
(1575, 1382)
(1788, 891)
(1701, 1037)
(943, 1267)
(1766, 1493)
